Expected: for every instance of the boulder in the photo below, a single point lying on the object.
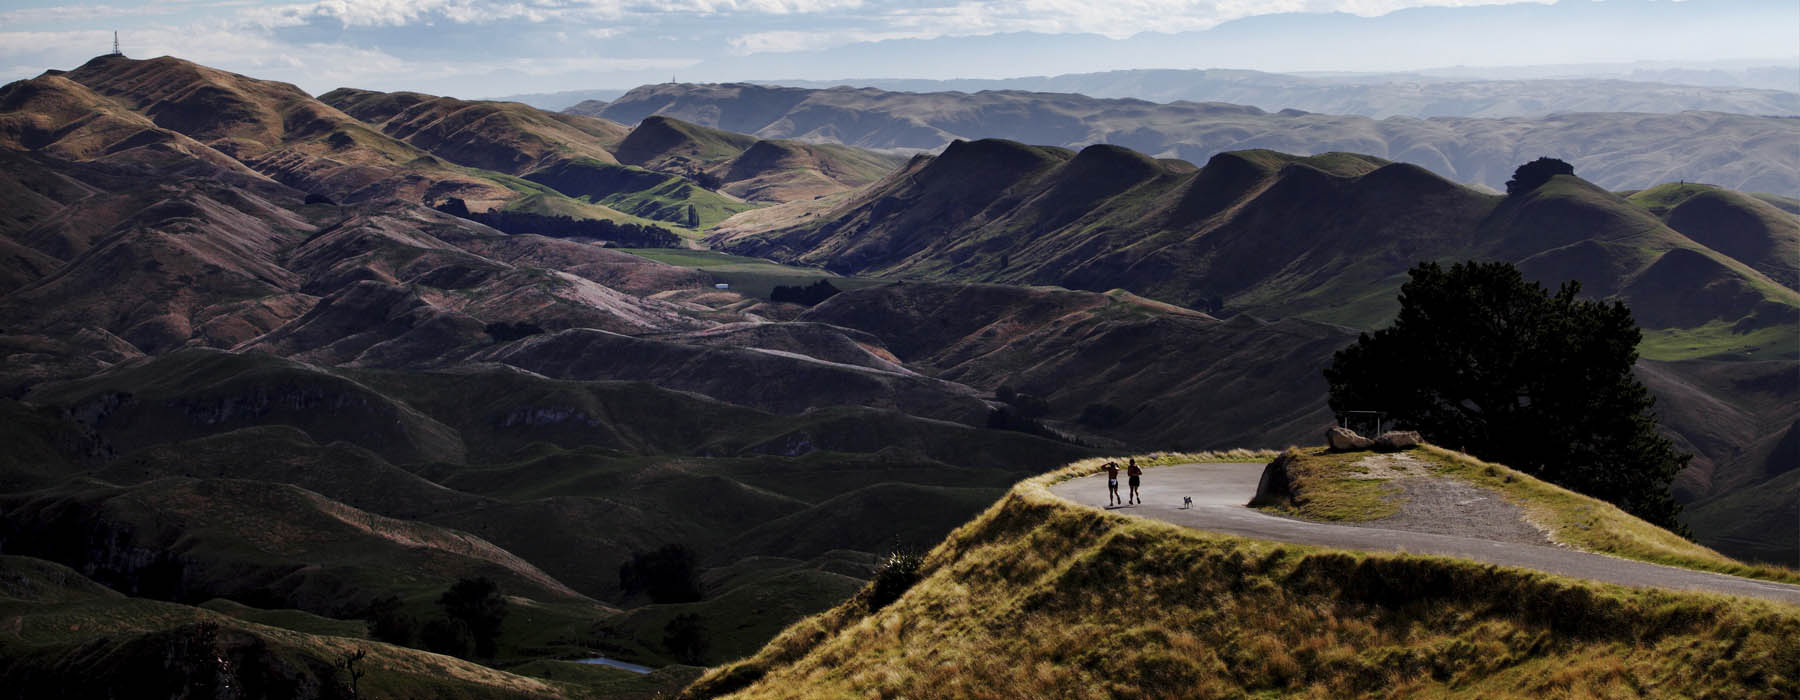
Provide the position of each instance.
(1396, 440)
(1345, 439)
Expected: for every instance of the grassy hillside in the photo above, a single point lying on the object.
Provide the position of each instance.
(1159, 371)
(661, 143)
(645, 193)
(70, 636)
(565, 162)
(278, 130)
(754, 277)
(1040, 598)
(751, 168)
(505, 137)
(1325, 238)
(1753, 520)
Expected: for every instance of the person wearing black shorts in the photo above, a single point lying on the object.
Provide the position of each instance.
(1135, 472)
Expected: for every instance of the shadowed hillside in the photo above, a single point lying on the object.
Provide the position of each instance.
(1323, 237)
(1110, 365)
(569, 155)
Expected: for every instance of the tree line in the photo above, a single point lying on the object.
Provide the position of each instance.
(624, 235)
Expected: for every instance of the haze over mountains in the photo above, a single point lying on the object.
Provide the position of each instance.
(1613, 150)
(255, 355)
(1381, 95)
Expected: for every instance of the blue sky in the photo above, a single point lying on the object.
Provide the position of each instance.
(475, 48)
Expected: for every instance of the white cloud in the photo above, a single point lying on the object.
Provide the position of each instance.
(64, 13)
(1117, 19)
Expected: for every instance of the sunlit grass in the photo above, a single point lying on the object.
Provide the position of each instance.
(1041, 598)
(1781, 342)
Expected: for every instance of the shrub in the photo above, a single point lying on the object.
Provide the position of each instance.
(504, 332)
(685, 637)
(444, 636)
(668, 574)
(627, 235)
(809, 295)
(388, 622)
(897, 573)
(476, 605)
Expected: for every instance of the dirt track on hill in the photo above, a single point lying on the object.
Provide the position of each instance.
(1221, 490)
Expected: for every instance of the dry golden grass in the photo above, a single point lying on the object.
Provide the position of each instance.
(1040, 598)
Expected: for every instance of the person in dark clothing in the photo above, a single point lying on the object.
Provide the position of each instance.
(1134, 471)
(1112, 484)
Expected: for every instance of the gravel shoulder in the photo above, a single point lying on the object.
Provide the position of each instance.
(1219, 492)
(1448, 506)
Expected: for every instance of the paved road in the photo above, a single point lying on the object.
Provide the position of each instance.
(1221, 490)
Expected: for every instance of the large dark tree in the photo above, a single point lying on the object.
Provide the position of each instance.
(1481, 360)
(476, 603)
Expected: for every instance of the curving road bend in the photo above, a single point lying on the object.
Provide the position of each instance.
(1221, 490)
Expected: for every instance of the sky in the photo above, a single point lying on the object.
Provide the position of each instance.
(480, 48)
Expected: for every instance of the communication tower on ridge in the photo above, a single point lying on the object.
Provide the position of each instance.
(116, 51)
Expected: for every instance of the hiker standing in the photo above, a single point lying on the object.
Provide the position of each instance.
(1112, 483)
(1134, 471)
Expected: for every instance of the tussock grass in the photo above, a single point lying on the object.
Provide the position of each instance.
(1041, 598)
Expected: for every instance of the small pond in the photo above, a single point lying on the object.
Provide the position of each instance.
(615, 663)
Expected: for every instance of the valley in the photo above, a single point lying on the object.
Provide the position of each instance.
(284, 383)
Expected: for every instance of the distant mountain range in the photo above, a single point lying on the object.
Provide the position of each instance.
(561, 100)
(1378, 95)
(1523, 91)
(1613, 150)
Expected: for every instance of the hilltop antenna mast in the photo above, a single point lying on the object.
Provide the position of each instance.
(116, 51)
